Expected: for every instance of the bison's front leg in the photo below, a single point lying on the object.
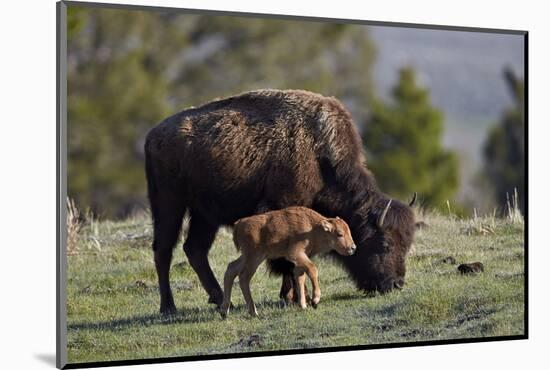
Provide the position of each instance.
(200, 237)
(286, 269)
(288, 290)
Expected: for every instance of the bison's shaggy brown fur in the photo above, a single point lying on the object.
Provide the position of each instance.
(266, 150)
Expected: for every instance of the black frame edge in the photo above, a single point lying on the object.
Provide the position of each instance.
(526, 179)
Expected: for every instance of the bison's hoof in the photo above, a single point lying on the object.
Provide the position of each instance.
(171, 310)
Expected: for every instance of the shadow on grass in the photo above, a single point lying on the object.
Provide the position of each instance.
(345, 297)
(186, 315)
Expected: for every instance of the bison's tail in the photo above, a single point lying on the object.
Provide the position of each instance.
(167, 213)
(152, 188)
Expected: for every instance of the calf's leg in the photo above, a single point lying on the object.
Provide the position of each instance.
(299, 286)
(200, 237)
(244, 281)
(233, 269)
(305, 264)
(313, 274)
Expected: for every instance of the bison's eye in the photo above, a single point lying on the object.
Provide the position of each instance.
(339, 234)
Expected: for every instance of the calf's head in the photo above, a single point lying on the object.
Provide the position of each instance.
(339, 236)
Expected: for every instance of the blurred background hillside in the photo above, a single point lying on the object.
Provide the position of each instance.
(440, 112)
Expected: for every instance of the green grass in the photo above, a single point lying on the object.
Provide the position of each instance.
(112, 297)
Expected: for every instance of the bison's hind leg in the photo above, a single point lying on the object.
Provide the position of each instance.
(167, 224)
(167, 211)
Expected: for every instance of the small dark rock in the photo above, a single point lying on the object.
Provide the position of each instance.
(384, 327)
(141, 284)
(87, 290)
(252, 341)
(450, 260)
(469, 268)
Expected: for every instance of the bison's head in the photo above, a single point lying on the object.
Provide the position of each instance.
(384, 234)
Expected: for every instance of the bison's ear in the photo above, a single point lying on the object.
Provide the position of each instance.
(327, 225)
(338, 218)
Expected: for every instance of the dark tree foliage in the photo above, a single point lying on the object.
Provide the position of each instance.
(504, 148)
(403, 144)
(129, 69)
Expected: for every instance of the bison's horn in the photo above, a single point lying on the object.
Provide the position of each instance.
(383, 215)
(413, 200)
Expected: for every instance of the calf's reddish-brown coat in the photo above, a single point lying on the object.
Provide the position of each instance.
(293, 233)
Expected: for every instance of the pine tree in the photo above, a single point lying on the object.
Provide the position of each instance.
(504, 148)
(403, 145)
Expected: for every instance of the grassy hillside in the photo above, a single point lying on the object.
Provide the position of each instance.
(112, 297)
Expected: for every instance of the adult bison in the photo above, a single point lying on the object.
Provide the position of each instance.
(266, 150)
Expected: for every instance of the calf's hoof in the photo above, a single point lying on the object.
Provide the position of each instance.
(314, 302)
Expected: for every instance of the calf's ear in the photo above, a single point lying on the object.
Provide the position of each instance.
(327, 225)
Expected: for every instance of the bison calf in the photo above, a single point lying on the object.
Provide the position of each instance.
(294, 233)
